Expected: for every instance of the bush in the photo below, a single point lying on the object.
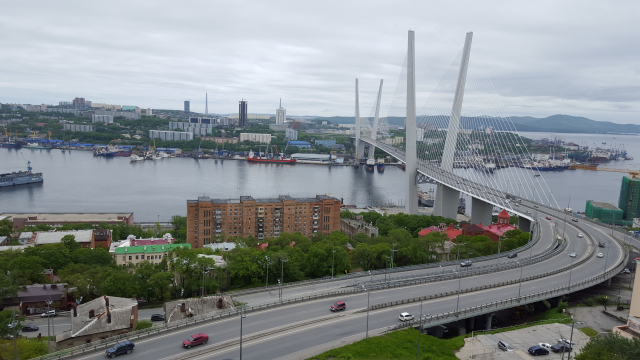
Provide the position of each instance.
(562, 306)
(143, 324)
(590, 302)
(602, 299)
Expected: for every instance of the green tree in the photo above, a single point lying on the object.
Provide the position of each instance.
(6, 227)
(612, 346)
(161, 283)
(27, 270)
(98, 256)
(69, 241)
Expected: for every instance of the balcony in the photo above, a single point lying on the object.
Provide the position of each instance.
(316, 217)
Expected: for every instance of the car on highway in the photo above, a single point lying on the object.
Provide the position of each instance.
(600, 255)
(197, 339)
(535, 206)
(504, 346)
(548, 218)
(561, 348)
(466, 263)
(626, 271)
(574, 220)
(49, 313)
(157, 317)
(573, 254)
(600, 244)
(511, 256)
(545, 345)
(124, 347)
(405, 316)
(528, 212)
(340, 305)
(28, 328)
(538, 350)
(579, 234)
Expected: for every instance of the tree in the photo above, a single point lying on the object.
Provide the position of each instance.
(161, 283)
(612, 346)
(27, 270)
(98, 256)
(69, 241)
(7, 289)
(6, 227)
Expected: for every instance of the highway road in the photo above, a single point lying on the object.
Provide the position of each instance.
(273, 333)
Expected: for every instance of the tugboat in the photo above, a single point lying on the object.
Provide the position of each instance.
(402, 165)
(21, 177)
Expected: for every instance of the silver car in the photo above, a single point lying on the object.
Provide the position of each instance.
(504, 346)
(405, 316)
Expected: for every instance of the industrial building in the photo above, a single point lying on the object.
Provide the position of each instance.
(242, 114)
(75, 127)
(325, 143)
(603, 211)
(107, 119)
(291, 134)
(629, 201)
(261, 138)
(170, 135)
(21, 220)
(261, 218)
(300, 144)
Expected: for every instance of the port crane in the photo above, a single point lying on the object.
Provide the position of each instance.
(635, 174)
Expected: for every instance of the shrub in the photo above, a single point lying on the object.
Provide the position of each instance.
(562, 306)
(602, 299)
(143, 324)
(590, 302)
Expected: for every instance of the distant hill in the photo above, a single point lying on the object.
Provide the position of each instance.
(555, 123)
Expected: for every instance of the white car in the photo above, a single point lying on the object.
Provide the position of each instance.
(405, 316)
(600, 255)
(545, 345)
(573, 254)
(579, 234)
(49, 313)
(565, 341)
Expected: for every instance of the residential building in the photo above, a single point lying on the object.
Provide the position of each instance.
(291, 134)
(85, 238)
(629, 200)
(99, 319)
(356, 225)
(83, 128)
(281, 114)
(300, 144)
(221, 140)
(104, 106)
(196, 128)
(277, 127)
(148, 112)
(223, 246)
(325, 143)
(171, 135)
(152, 253)
(129, 107)
(32, 299)
(632, 329)
(242, 114)
(261, 138)
(218, 259)
(107, 119)
(187, 106)
(79, 104)
(21, 220)
(125, 114)
(102, 238)
(65, 103)
(450, 230)
(261, 218)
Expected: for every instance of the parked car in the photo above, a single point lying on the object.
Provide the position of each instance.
(545, 345)
(340, 305)
(573, 254)
(626, 271)
(124, 347)
(405, 316)
(561, 347)
(538, 350)
(27, 328)
(579, 234)
(565, 341)
(600, 255)
(504, 346)
(49, 313)
(466, 263)
(600, 244)
(197, 339)
(511, 256)
(157, 317)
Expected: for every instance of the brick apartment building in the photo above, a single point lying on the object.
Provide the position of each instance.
(260, 218)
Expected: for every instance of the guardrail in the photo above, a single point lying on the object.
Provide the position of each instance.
(535, 238)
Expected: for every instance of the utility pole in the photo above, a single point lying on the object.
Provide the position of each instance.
(282, 276)
(333, 261)
(267, 283)
(242, 316)
(393, 250)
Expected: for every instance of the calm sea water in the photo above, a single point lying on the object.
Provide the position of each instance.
(78, 182)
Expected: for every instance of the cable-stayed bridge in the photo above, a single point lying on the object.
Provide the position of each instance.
(475, 150)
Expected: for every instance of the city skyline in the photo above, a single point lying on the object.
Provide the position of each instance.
(542, 59)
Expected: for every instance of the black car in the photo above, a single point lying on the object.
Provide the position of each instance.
(561, 348)
(27, 328)
(157, 317)
(124, 347)
(600, 244)
(574, 220)
(466, 263)
(513, 255)
(538, 350)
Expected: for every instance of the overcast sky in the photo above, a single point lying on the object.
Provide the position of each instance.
(578, 58)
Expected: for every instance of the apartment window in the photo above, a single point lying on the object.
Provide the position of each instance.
(124, 258)
(136, 257)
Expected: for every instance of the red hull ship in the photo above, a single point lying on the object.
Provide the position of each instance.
(273, 161)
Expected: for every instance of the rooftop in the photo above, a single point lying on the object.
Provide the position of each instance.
(54, 237)
(147, 249)
(605, 205)
(280, 199)
(85, 217)
(120, 309)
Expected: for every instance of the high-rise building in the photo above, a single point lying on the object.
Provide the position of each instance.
(187, 106)
(206, 104)
(242, 115)
(629, 201)
(281, 114)
(79, 104)
(261, 218)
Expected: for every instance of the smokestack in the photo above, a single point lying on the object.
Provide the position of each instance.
(92, 313)
(106, 302)
(108, 316)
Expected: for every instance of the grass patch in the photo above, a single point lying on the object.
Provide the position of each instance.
(551, 314)
(397, 345)
(589, 331)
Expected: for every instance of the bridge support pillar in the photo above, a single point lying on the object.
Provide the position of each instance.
(609, 282)
(489, 318)
(446, 204)
(471, 323)
(481, 212)
(360, 149)
(524, 224)
(411, 129)
(462, 331)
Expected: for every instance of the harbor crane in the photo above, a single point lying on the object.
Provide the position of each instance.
(635, 174)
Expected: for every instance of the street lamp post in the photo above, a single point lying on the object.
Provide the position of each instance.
(267, 282)
(49, 302)
(571, 272)
(393, 249)
(387, 257)
(420, 329)
(519, 286)
(282, 276)
(242, 316)
(368, 293)
(14, 326)
(459, 284)
(333, 259)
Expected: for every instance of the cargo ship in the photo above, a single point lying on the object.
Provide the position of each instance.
(380, 167)
(369, 165)
(20, 177)
(272, 159)
(9, 144)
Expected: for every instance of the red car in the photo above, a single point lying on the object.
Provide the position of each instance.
(340, 305)
(194, 340)
(548, 218)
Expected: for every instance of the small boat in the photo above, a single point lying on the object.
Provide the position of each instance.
(135, 157)
(402, 166)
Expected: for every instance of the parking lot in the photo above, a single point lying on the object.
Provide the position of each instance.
(485, 347)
